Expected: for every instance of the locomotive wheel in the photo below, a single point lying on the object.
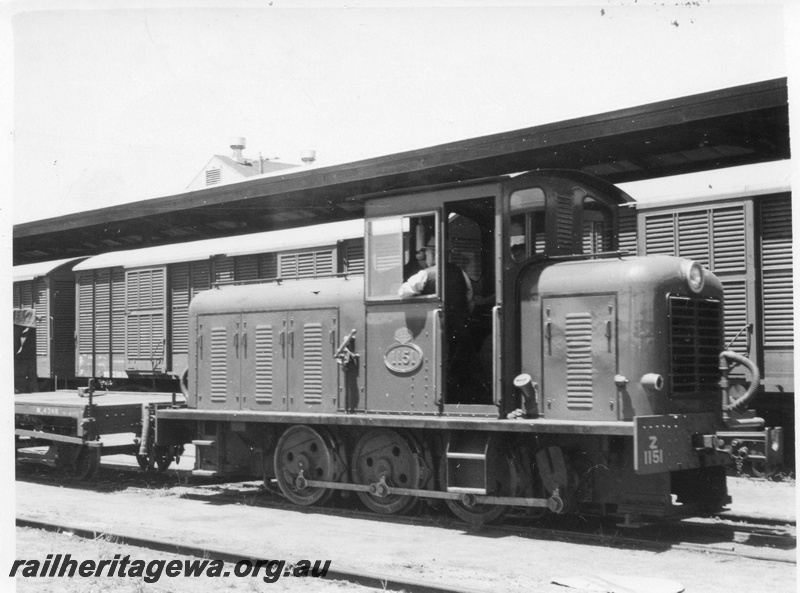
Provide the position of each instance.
(507, 483)
(393, 456)
(312, 452)
(530, 484)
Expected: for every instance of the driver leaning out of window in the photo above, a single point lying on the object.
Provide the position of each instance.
(459, 287)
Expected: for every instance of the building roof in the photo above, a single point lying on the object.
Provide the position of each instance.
(252, 167)
(243, 170)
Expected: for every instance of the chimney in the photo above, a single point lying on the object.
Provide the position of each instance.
(308, 156)
(237, 145)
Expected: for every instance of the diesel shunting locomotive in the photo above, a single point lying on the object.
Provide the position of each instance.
(500, 351)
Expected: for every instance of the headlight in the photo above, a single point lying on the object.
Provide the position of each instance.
(693, 273)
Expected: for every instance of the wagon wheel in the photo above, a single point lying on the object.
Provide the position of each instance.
(159, 460)
(312, 452)
(87, 464)
(79, 461)
(757, 467)
(395, 458)
(507, 483)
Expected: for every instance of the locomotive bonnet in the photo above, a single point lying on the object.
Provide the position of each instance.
(622, 337)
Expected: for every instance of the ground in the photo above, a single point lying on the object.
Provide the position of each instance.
(446, 555)
(35, 543)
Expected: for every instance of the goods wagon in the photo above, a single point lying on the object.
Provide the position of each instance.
(48, 289)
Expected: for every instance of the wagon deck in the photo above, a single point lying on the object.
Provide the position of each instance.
(73, 425)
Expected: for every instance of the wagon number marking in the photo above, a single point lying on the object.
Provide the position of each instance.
(653, 455)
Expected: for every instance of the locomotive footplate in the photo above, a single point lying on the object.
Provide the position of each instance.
(483, 422)
(675, 442)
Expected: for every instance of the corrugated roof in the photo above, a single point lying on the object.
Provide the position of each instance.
(41, 269)
(283, 240)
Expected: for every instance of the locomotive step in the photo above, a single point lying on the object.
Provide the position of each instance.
(458, 455)
(201, 443)
(465, 490)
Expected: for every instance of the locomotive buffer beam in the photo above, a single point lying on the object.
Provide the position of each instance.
(381, 489)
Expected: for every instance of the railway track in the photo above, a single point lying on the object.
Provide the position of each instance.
(742, 537)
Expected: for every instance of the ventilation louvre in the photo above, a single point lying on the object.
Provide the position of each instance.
(146, 319)
(564, 222)
(578, 331)
(265, 371)
(213, 176)
(312, 363)
(777, 271)
(219, 364)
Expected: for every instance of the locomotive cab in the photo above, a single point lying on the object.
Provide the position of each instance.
(442, 283)
(430, 286)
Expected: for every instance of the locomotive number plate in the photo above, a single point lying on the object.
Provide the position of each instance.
(403, 358)
(664, 443)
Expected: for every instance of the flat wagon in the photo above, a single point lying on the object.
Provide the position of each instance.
(73, 429)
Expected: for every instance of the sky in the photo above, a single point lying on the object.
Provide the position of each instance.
(121, 101)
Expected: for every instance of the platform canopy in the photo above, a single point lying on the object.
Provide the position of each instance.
(725, 128)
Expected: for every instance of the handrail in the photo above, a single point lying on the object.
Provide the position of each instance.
(579, 256)
(279, 279)
(496, 372)
(437, 330)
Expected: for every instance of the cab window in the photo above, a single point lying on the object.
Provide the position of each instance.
(597, 224)
(527, 235)
(396, 250)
